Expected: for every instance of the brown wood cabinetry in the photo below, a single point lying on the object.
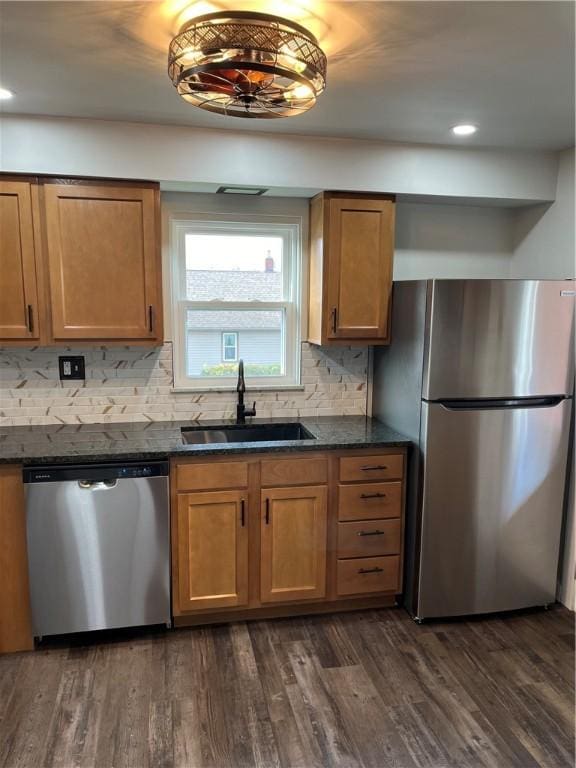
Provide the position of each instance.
(212, 550)
(293, 544)
(80, 262)
(19, 318)
(351, 256)
(15, 621)
(370, 545)
(280, 535)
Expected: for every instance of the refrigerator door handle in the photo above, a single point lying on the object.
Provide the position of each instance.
(488, 404)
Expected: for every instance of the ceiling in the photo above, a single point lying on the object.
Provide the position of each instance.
(398, 71)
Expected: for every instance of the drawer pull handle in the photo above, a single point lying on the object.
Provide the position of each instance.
(370, 570)
(150, 318)
(372, 468)
(377, 532)
(242, 513)
(267, 516)
(30, 318)
(372, 495)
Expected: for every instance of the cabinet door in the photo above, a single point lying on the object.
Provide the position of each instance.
(212, 550)
(360, 252)
(293, 543)
(18, 285)
(15, 620)
(104, 267)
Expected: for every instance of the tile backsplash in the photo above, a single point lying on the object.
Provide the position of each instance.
(136, 384)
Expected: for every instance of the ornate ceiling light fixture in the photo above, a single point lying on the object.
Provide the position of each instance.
(247, 65)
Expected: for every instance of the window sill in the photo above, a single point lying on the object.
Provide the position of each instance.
(249, 389)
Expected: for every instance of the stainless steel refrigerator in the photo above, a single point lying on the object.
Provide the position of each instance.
(480, 375)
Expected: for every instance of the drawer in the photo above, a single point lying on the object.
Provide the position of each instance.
(368, 539)
(281, 472)
(217, 475)
(368, 574)
(370, 501)
(367, 468)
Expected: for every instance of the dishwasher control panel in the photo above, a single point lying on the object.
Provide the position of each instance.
(95, 472)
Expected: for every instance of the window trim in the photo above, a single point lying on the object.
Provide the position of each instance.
(290, 228)
(225, 346)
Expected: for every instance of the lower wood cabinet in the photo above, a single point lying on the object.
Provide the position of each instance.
(15, 617)
(293, 544)
(275, 535)
(212, 550)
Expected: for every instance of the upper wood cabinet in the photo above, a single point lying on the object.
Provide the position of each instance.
(80, 262)
(102, 245)
(351, 256)
(212, 550)
(19, 315)
(293, 543)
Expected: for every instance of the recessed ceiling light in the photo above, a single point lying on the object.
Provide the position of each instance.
(464, 130)
(5, 93)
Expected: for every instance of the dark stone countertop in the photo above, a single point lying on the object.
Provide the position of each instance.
(135, 441)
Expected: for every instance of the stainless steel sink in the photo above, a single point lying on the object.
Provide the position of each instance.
(246, 433)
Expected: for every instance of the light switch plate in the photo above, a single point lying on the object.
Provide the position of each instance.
(71, 368)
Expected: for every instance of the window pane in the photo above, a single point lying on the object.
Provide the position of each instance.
(229, 346)
(233, 268)
(257, 338)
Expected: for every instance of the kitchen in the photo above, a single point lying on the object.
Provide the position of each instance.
(193, 584)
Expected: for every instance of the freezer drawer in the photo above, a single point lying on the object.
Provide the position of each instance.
(499, 338)
(493, 484)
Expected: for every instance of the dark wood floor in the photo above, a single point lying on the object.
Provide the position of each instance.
(362, 689)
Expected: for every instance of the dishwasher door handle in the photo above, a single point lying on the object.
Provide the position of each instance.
(97, 485)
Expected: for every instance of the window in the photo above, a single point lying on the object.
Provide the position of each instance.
(236, 296)
(229, 347)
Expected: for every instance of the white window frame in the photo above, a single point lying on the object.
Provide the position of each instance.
(225, 347)
(289, 229)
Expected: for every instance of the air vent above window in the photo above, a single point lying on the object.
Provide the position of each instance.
(241, 190)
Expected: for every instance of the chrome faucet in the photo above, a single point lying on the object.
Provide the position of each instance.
(241, 410)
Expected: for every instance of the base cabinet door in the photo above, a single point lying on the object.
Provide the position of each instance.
(18, 286)
(212, 550)
(293, 544)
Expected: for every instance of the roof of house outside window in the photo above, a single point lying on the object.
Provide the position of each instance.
(207, 285)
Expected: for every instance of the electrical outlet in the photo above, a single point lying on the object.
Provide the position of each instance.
(71, 368)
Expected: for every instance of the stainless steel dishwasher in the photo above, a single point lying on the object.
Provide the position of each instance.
(98, 546)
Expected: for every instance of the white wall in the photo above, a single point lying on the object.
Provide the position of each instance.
(452, 241)
(544, 242)
(175, 153)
